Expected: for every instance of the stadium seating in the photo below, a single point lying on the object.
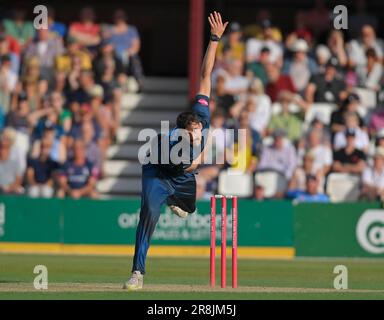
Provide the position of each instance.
(321, 110)
(236, 183)
(273, 182)
(343, 187)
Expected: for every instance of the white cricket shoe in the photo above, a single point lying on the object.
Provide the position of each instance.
(135, 282)
(178, 211)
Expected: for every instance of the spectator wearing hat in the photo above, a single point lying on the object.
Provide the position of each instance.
(10, 172)
(373, 178)
(277, 82)
(322, 54)
(257, 68)
(286, 120)
(78, 176)
(86, 31)
(232, 42)
(310, 194)
(300, 67)
(361, 136)
(256, 31)
(370, 75)
(326, 87)
(350, 105)
(254, 46)
(41, 171)
(280, 156)
(349, 159)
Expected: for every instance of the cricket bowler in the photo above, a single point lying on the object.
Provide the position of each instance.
(175, 185)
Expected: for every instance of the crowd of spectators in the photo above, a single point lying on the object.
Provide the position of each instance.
(60, 98)
(268, 80)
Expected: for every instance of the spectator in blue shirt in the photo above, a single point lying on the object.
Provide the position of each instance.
(40, 172)
(78, 177)
(310, 194)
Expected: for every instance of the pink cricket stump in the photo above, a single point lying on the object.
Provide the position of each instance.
(223, 241)
(213, 243)
(234, 242)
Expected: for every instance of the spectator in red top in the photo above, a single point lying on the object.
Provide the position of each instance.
(277, 82)
(86, 31)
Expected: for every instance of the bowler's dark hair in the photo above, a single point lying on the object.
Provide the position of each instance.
(184, 119)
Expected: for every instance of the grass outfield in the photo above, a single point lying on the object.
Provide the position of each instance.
(101, 277)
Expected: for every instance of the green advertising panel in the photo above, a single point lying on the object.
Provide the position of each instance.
(114, 222)
(339, 230)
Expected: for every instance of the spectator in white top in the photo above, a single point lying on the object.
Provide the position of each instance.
(8, 80)
(373, 178)
(321, 152)
(361, 136)
(10, 173)
(370, 75)
(280, 157)
(357, 48)
(259, 106)
(236, 83)
(300, 67)
(254, 46)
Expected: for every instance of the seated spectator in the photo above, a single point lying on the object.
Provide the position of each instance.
(126, 41)
(349, 159)
(257, 68)
(357, 48)
(18, 28)
(10, 173)
(236, 83)
(298, 180)
(254, 46)
(40, 173)
(256, 30)
(74, 59)
(286, 120)
(327, 86)
(311, 193)
(361, 136)
(9, 46)
(350, 105)
(45, 49)
(300, 67)
(281, 156)
(336, 46)
(232, 42)
(259, 193)
(359, 18)
(259, 107)
(78, 176)
(50, 136)
(92, 150)
(86, 31)
(370, 75)
(319, 149)
(17, 154)
(373, 178)
(277, 82)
